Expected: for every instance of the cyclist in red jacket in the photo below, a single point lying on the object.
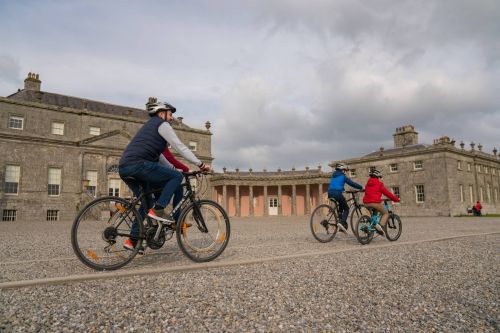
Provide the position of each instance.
(374, 189)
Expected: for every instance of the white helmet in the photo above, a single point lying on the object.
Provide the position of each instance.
(376, 173)
(156, 107)
(341, 166)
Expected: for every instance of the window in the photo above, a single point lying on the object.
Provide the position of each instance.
(57, 128)
(459, 165)
(488, 192)
(94, 130)
(193, 145)
(461, 193)
(417, 165)
(114, 187)
(481, 193)
(394, 167)
(352, 172)
(370, 169)
(420, 194)
(478, 168)
(52, 215)
(16, 122)
(493, 171)
(486, 169)
(395, 190)
(273, 202)
(468, 167)
(12, 175)
(54, 181)
(9, 215)
(496, 194)
(471, 194)
(92, 178)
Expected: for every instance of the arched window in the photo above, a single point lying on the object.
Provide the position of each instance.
(113, 169)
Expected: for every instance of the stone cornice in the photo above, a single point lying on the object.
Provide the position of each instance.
(183, 128)
(427, 150)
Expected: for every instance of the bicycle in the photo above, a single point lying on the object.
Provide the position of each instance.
(325, 218)
(101, 227)
(365, 226)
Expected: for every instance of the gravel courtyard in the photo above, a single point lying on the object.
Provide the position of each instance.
(441, 275)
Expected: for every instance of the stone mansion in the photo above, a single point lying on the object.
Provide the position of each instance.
(59, 152)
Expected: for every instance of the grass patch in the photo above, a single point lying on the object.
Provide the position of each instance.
(484, 215)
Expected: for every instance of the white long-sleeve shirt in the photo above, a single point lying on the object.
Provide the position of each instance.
(168, 133)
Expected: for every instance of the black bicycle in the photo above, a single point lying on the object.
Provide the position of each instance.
(325, 217)
(103, 225)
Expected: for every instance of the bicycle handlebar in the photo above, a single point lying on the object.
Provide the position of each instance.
(354, 191)
(195, 173)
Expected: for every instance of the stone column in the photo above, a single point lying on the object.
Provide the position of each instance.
(308, 199)
(237, 200)
(266, 204)
(224, 197)
(280, 206)
(250, 199)
(294, 199)
(320, 194)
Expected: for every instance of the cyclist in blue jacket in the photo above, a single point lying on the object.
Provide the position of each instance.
(336, 189)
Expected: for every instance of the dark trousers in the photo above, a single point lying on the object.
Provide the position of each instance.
(343, 207)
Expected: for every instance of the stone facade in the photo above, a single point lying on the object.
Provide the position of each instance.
(44, 134)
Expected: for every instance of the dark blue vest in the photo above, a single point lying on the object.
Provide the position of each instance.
(146, 145)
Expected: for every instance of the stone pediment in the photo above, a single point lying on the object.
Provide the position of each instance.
(113, 139)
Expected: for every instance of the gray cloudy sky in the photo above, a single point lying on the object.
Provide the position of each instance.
(284, 83)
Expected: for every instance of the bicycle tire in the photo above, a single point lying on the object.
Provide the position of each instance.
(97, 237)
(195, 243)
(393, 228)
(356, 214)
(362, 235)
(322, 228)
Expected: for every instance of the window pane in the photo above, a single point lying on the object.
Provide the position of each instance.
(52, 215)
(419, 191)
(11, 188)
(54, 176)
(57, 128)
(9, 215)
(192, 145)
(12, 173)
(95, 130)
(16, 122)
(53, 189)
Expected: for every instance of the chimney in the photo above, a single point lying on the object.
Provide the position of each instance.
(32, 82)
(405, 136)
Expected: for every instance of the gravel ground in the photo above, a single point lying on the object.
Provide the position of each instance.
(43, 249)
(450, 285)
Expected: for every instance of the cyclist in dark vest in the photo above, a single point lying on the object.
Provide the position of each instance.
(143, 160)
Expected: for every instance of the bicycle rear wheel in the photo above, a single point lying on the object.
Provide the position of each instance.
(393, 227)
(324, 223)
(203, 245)
(100, 230)
(356, 213)
(362, 232)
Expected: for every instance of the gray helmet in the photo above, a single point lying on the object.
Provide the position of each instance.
(341, 166)
(375, 173)
(154, 108)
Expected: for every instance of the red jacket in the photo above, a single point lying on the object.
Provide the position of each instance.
(478, 206)
(178, 165)
(374, 189)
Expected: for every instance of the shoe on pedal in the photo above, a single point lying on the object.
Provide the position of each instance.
(159, 215)
(130, 246)
(343, 226)
(379, 230)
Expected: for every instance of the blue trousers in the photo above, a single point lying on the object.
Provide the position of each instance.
(153, 175)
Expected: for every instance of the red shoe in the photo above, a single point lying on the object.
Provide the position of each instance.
(130, 246)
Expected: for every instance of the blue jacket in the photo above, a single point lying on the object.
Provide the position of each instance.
(338, 181)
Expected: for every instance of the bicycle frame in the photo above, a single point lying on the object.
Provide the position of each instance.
(376, 217)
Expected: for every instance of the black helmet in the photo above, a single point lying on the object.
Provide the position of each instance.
(375, 173)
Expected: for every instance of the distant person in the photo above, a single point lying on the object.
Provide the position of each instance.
(374, 189)
(336, 189)
(476, 209)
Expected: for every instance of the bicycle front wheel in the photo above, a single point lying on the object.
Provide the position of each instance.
(100, 230)
(203, 231)
(393, 227)
(363, 232)
(324, 223)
